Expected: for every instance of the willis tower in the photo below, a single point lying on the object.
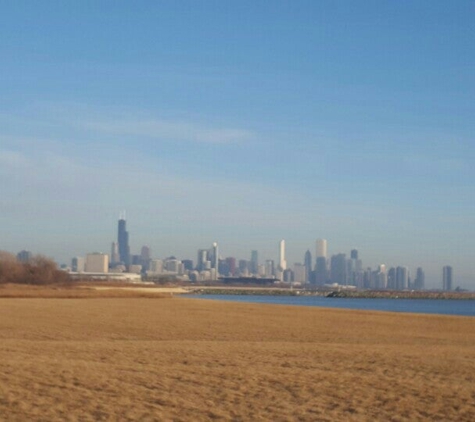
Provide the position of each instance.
(123, 240)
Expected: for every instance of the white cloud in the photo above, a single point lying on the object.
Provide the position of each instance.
(167, 130)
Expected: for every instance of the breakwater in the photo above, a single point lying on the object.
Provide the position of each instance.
(349, 294)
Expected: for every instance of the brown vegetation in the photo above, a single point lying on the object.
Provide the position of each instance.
(190, 360)
(38, 270)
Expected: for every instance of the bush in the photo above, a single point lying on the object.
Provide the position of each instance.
(39, 270)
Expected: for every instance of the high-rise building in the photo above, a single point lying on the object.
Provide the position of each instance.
(354, 254)
(420, 279)
(308, 265)
(254, 267)
(300, 273)
(214, 255)
(270, 270)
(338, 268)
(115, 257)
(97, 263)
(231, 265)
(123, 241)
(447, 278)
(321, 271)
(282, 261)
(321, 248)
(402, 278)
(202, 259)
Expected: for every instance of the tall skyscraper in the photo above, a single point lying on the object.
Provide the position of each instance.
(447, 278)
(354, 254)
(402, 278)
(338, 268)
(308, 265)
(123, 241)
(282, 261)
(321, 271)
(254, 268)
(214, 255)
(420, 279)
(321, 248)
(270, 270)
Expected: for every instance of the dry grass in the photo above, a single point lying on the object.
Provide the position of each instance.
(77, 291)
(191, 360)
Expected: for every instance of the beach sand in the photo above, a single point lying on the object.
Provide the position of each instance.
(194, 359)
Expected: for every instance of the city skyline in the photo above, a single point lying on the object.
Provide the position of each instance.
(242, 123)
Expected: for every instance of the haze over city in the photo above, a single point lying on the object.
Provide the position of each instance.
(244, 124)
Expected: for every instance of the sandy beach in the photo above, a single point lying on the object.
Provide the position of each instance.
(193, 359)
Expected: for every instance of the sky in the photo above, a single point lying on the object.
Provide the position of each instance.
(243, 123)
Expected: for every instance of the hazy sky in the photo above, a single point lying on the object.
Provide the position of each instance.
(244, 123)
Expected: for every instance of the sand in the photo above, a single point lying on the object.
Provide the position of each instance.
(194, 359)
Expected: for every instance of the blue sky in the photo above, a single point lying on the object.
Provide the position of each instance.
(243, 123)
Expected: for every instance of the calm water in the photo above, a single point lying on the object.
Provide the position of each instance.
(424, 306)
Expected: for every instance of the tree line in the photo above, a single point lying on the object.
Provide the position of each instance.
(37, 270)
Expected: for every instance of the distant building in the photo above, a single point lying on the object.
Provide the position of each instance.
(321, 271)
(354, 254)
(300, 273)
(123, 241)
(78, 264)
(321, 248)
(282, 261)
(419, 282)
(187, 264)
(447, 278)
(254, 264)
(115, 257)
(97, 263)
(24, 256)
(308, 265)
(402, 278)
(231, 265)
(270, 268)
(338, 269)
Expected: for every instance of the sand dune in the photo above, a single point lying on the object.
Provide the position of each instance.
(190, 360)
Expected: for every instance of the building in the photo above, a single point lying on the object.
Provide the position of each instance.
(354, 254)
(419, 281)
(402, 278)
(282, 261)
(300, 273)
(78, 264)
(307, 262)
(24, 256)
(447, 278)
(321, 248)
(123, 241)
(115, 257)
(214, 256)
(338, 269)
(254, 264)
(321, 271)
(97, 263)
(270, 270)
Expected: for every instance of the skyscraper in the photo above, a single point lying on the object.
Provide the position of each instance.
(447, 278)
(308, 265)
(214, 255)
(354, 254)
(338, 268)
(402, 278)
(115, 257)
(282, 261)
(254, 267)
(420, 279)
(123, 240)
(321, 248)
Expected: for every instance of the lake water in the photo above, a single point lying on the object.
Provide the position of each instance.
(424, 306)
